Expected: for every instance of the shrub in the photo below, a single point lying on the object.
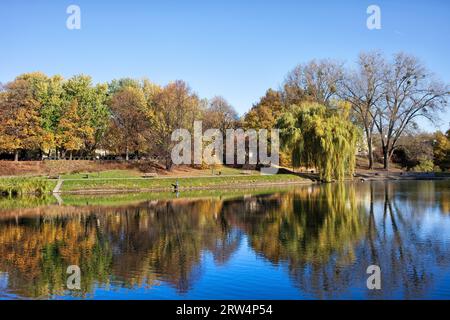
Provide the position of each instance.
(424, 166)
(20, 186)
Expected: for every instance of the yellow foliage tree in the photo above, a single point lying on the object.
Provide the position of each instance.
(20, 124)
(72, 132)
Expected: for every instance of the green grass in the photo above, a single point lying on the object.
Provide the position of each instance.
(166, 183)
(19, 186)
(118, 174)
(227, 171)
(130, 180)
(111, 174)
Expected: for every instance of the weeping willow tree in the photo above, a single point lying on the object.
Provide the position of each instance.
(320, 137)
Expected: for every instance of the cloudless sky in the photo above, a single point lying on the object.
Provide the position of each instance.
(237, 49)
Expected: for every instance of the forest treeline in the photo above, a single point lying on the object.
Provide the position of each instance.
(325, 110)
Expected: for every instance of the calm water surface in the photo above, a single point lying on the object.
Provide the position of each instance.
(311, 242)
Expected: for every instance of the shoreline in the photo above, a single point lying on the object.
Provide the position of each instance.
(397, 176)
(243, 186)
(188, 188)
(197, 183)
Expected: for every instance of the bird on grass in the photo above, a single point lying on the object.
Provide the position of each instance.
(175, 186)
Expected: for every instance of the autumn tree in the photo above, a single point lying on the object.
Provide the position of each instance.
(148, 88)
(72, 133)
(264, 114)
(48, 91)
(220, 114)
(128, 115)
(441, 150)
(173, 107)
(117, 85)
(20, 124)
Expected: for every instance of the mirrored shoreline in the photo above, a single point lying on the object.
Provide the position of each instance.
(306, 242)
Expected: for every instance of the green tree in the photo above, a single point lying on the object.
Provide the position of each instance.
(320, 138)
(48, 92)
(117, 85)
(92, 107)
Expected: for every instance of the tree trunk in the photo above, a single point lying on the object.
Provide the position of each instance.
(386, 158)
(127, 156)
(168, 163)
(16, 155)
(70, 156)
(369, 137)
(370, 155)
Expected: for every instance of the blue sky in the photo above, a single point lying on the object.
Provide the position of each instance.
(237, 49)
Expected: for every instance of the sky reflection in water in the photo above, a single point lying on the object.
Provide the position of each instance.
(311, 242)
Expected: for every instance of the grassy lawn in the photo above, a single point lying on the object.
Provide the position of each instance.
(109, 174)
(120, 174)
(131, 179)
(184, 182)
(227, 171)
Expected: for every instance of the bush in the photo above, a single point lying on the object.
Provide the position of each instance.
(20, 186)
(424, 166)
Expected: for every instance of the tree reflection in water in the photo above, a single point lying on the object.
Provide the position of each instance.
(326, 236)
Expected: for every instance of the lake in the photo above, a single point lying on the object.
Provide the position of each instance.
(306, 242)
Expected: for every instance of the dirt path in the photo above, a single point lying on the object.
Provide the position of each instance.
(58, 186)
